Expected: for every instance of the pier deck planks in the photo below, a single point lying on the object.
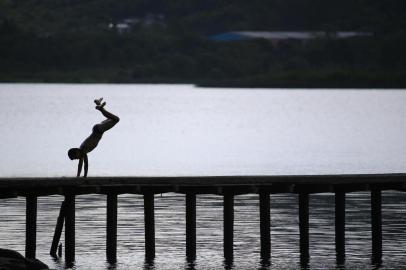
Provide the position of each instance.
(42, 186)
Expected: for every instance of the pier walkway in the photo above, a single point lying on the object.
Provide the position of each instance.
(226, 186)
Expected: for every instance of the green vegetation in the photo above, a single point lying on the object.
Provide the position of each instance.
(70, 41)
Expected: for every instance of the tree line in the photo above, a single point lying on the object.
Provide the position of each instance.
(69, 40)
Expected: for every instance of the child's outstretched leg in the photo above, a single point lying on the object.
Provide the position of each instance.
(111, 120)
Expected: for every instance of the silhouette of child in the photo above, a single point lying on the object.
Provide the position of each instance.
(92, 141)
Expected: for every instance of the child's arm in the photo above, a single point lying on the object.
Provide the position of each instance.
(86, 165)
(80, 167)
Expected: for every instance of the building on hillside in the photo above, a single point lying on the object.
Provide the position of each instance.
(278, 36)
(120, 28)
(127, 24)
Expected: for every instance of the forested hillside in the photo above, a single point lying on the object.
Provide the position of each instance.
(209, 15)
(73, 40)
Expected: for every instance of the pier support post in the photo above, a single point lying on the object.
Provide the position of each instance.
(191, 226)
(31, 226)
(265, 225)
(111, 229)
(228, 227)
(304, 227)
(69, 229)
(340, 226)
(149, 226)
(58, 230)
(376, 222)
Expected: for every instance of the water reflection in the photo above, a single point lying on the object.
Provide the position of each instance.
(228, 264)
(263, 267)
(170, 232)
(111, 266)
(149, 264)
(265, 264)
(190, 265)
(58, 263)
(340, 260)
(70, 265)
(304, 260)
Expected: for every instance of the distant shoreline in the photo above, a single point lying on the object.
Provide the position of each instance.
(289, 80)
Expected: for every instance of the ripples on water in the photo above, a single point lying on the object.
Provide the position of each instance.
(184, 130)
(170, 231)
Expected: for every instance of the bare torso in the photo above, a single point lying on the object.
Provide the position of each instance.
(92, 141)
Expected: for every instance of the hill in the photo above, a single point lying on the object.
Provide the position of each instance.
(166, 41)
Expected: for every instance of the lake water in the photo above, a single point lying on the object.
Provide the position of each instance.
(184, 130)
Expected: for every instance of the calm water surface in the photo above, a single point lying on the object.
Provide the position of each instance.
(183, 130)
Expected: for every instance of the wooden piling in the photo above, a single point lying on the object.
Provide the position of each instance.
(224, 185)
(111, 229)
(190, 226)
(69, 229)
(60, 250)
(31, 226)
(58, 231)
(304, 227)
(340, 226)
(376, 222)
(149, 226)
(265, 225)
(228, 227)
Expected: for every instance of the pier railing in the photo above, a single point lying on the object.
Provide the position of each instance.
(227, 186)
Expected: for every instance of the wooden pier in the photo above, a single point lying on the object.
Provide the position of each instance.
(226, 186)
